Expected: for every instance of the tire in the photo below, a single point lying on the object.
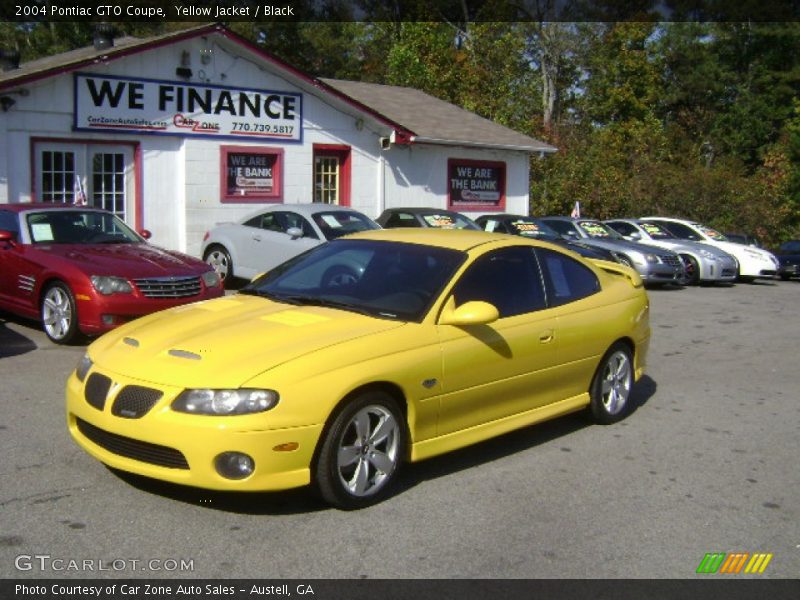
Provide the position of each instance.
(219, 259)
(691, 270)
(361, 452)
(624, 260)
(611, 387)
(59, 313)
(338, 276)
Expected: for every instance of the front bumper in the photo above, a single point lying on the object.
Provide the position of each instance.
(181, 448)
(660, 273)
(720, 270)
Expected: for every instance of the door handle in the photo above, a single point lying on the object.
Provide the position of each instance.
(546, 336)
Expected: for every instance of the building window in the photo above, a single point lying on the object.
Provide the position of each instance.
(58, 176)
(476, 185)
(108, 182)
(326, 179)
(251, 174)
(332, 174)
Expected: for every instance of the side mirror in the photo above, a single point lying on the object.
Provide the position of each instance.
(145, 233)
(475, 312)
(634, 236)
(294, 232)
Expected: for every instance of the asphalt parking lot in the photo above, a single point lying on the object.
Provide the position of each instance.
(708, 462)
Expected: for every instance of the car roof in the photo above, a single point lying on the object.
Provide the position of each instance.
(420, 210)
(26, 206)
(670, 220)
(455, 239)
(303, 208)
(505, 216)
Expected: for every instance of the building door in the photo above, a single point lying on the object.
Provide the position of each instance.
(98, 175)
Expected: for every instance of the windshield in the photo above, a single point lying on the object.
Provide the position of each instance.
(389, 280)
(657, 232)
(712, 233)
(79, 227)
(528, 227)
(336, 223)
(448, 220)
(597, 230)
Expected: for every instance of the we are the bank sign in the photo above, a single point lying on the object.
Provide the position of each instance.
(150, 106)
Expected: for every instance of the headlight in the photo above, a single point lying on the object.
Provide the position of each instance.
(83, 367)
(111, 285)
(707, 254)
(650, 258)
(225, 402)
(211, 279)
(753, 254)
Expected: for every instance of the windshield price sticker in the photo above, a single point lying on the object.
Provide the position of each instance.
(110, 103)
(439, 221)
(594, 229)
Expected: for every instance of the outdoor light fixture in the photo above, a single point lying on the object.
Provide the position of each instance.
(6, 102)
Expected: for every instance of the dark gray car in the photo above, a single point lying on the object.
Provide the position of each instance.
(656, 266)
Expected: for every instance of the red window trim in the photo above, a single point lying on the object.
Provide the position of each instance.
(477, 207)
(342, 152)
(138, 199)
(275, 197)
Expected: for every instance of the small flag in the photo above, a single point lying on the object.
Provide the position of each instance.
(576, 212)
(80, 196)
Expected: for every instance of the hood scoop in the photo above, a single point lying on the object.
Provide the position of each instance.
(184, 354)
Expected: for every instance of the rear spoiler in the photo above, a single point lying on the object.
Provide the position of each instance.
(619, 270)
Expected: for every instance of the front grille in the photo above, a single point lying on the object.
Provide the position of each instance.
(169, 287)
(135, 449)
(672, 260)
(728, 272)
(96, 390)
(134, 401)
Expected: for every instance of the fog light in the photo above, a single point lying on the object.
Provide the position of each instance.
(234, 465)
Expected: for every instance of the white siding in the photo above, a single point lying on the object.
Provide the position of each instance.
(180, 176)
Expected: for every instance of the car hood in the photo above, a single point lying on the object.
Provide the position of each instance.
(127, 260)
(736, 249)
(226, 342)
(619, 245)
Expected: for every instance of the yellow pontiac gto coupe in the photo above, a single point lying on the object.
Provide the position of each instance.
(371, 350)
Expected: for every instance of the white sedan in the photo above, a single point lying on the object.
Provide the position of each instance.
(272, 235)
(753, 262)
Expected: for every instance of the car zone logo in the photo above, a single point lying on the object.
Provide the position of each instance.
(734, 563)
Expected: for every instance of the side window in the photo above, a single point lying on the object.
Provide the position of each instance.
(508, 278)
(402, 220)
(566, 279)
(9, 222)
(680, 230)
(562, 227)
(295, 220)
(622, 228)
(271, 221)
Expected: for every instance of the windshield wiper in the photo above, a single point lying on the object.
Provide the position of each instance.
(267, 295)
(327, 303)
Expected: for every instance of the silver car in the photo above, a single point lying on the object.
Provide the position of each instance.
(656, 266)
(272, 235)
(702, 262)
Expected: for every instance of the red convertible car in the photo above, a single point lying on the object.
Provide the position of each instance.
(83, 271)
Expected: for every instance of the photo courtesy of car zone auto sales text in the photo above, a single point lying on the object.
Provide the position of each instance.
(300, 303)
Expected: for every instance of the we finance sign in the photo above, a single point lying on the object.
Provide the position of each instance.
(110, 103)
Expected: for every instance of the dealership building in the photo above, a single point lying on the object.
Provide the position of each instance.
(178, 132)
